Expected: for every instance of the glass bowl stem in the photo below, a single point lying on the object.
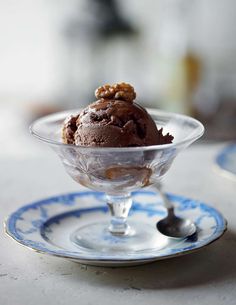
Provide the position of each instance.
(119, 207)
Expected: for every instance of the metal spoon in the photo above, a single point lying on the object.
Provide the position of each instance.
(174, 226)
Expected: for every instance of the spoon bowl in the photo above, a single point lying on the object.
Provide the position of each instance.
(176, 227)
(172, 225)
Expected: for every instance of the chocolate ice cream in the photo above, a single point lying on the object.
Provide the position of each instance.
(114, 120)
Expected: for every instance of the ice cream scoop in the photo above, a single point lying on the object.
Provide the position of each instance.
(114, 120)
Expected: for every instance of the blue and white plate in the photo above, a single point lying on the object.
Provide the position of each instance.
(226, 161)
(45, 226)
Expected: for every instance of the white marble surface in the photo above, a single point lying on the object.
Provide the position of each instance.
(205, 277)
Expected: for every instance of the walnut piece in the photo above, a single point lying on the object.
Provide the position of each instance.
(122, 91)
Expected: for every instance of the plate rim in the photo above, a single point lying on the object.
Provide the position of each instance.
(118, 260)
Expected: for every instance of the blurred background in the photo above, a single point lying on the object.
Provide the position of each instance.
(178, 54)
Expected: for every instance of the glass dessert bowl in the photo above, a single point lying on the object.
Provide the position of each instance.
(118, 171)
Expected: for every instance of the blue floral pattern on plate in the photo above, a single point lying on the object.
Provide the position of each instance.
(44, 225)
(226, 160)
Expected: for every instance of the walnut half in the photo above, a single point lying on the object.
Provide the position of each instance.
(122, 91)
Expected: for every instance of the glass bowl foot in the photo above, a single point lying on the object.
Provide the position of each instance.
(97, 237)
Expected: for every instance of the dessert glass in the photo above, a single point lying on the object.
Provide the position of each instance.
(118, 172)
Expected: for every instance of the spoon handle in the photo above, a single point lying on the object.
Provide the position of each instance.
(168, 205)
